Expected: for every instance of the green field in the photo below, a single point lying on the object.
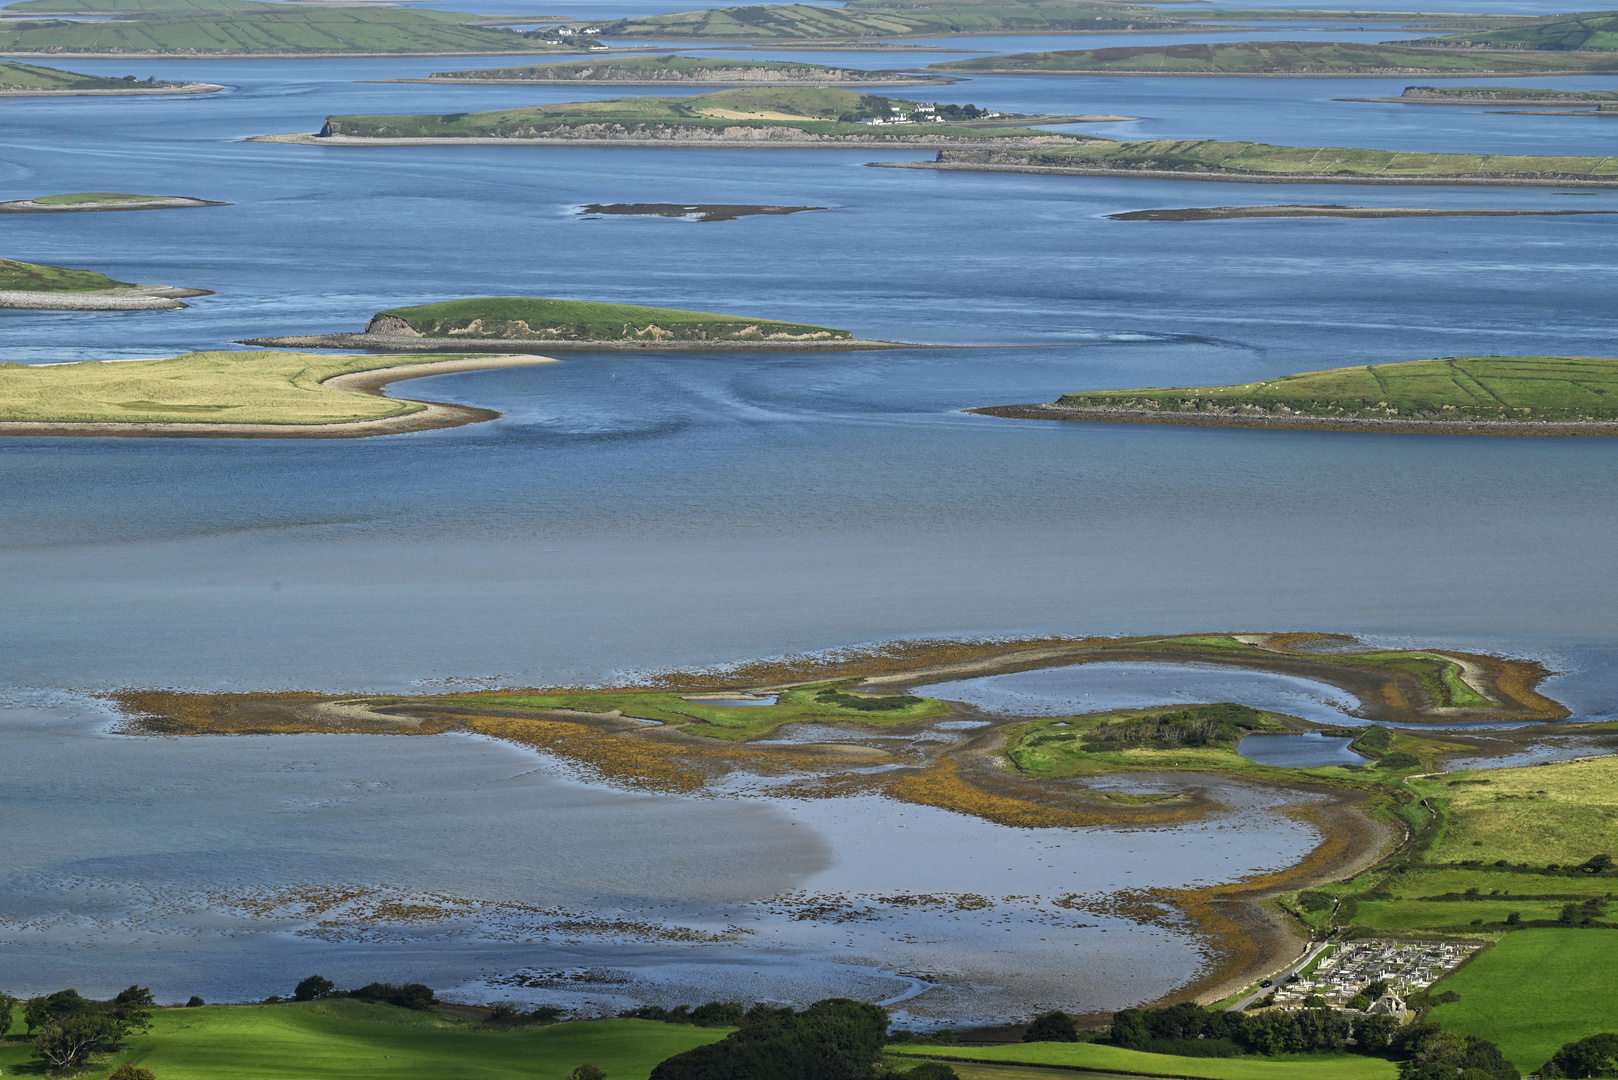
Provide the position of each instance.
(339, 1039)
(1591, 30)
(1094, 1056)
(1455, 388)
(815, 110)
(810, 704)
(80, 198)
(32, 277)
(804, 22)
(213, 387)
(1303, 162)
(580, 320)
(18, 76)
(1562, 813)
(660, 69)
(269, 28)
(1536, 990)
(1279, 57)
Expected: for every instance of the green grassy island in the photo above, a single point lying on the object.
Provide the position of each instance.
(1499, 95)
(1212, 159)
(1335, 58)
(34, 277)
(657, 70)
(750, 115)
(85, 201)
(55, 288)
(1589, 31)
(1457, 393)
(26, 79)
(242, 28)
(538, 319)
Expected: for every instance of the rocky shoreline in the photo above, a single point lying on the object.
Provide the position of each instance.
(138, 298)
(1041, 411)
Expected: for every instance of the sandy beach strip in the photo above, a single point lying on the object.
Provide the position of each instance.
(921, 142)
(157, 202)
(378, 343)
(188, 88)
(432, 415)
(140, 298)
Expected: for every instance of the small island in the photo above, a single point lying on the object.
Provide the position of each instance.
(32, 286)
(659, 70)
(1496, 95)
(1261, 163)
(1293, 59)
(752, 116)
(689, 211)
(95, 201)
(234, 395)
(29, 80)
(1469, 395)
(496, 323)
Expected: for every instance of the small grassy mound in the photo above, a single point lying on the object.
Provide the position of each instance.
(215, 387)
(1274, 57)
(1093, 1056)
(32, 277)
(339, 1039)
(1509, 94)
(1520, 388)
(542, 319)
(1534, 991)
(656, 69)
(82, 197)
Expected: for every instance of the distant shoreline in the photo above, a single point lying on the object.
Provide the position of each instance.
(187, 88)
(919, 142)
(426, 344)
(157, 202)
(433, 415)
(1390, 73)
(937, 81)
(1301, 423)
(1242, 178)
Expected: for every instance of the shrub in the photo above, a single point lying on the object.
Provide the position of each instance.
(836, 1039)
(131, 1072)
(195, 1002)
(1312, 900)
(408, 996)
(315, 986)
(1052, 1027)
(1399, 759)
(585, 1072)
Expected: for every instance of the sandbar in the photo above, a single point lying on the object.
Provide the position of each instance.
(160, 202)
(185, 88)
(137, 298)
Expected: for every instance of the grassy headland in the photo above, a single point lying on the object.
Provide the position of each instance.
(33, 277)
(268, 29)
(1519, 389)
(15, 76)
(656, 70)
(746, 114)
(1589, 31)
(1215, 159)
(224, 388)
(341, 1039)
(1278, 58)
(539, 319)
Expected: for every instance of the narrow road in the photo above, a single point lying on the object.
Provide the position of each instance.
(1280, 980)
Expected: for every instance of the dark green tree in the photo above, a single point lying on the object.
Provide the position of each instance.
(837, 1039)
(315, 986)
(1596, 1055)
(66, 1041)
(1129, 1028)
(1052, 1027)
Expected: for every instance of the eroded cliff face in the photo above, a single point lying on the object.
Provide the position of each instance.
(390, 326)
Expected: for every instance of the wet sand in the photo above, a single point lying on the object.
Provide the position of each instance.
(432, 415)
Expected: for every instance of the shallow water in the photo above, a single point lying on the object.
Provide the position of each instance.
(633, 512)
(1301, 751)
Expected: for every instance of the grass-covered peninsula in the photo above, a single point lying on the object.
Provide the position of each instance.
(764, 114)
(1301, 58)
(1498, 95)
(19, 79)
(36, 277)
(266, 29)
(1213, 159)
(1587, 31)
(55, 288)
(244, 393)
(658, 70)
(1553, 394)
(541, 319)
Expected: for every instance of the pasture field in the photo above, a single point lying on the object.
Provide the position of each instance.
(19, 76)
(1262, 159)
(582, 320)
(1094, 1056)
(1279, 58)
(33, 277)
(1454, 388)
(1536, 990)
(215, 387)
(783, 22)
(1562, 813)
(258, 29)
(813, 110)
(339, 1039)
(820, 703)
(1589, 31)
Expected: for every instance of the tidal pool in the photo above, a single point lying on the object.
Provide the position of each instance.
(1303, 750)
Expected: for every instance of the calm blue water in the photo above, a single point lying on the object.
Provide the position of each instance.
(1304, 751)
(633, 512)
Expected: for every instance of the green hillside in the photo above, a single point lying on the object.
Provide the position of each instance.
(521, 317)
(1454, 388)
(1278, 57)
(1260, 159)
(784, 22)
(813, 110)
(18, 76)
(269, 28)
(1590, 30)
(64, 7)
(1508, 94)
(339, 1039)
(661, 69)
(32, 277)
